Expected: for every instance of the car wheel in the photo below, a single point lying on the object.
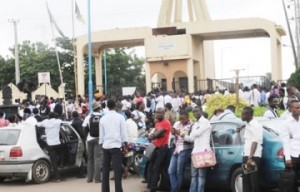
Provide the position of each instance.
(237, 180)
(138, 158)
(41, 171)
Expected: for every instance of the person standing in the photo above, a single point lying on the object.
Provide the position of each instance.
(254, 96)
(140, 117)
(200, 134)
(158, 159)
(271, 111)
(290, 135)
(94, 150)
(252, 150)
(182, 151)
(112, 137)
(52, 128)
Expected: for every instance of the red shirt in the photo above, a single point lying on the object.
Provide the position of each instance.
(164, 140)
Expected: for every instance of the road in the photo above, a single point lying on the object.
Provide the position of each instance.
(73, 184)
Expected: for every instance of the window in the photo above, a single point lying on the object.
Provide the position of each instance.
(225, 134)
(9, 136)
(69, 132)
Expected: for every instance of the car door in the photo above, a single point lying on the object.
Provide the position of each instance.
(73, 145)
(228, 148)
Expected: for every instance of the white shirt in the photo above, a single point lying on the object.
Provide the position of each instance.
(255, 97)
(132, 130)
(291, 146)
(200, 135)
(112, 130)
(86, 123)
(270, 113)
(168, 99)
(126, 105)
(138, 114)
(30, 121)
(285, 114)
(160, 102)
(253, 133)
(52, 105)
(227, 114)
(246, 95)
(176, 103)
(52, 128)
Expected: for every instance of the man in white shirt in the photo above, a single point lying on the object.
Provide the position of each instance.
(271, 111)
(290, 135)
(252, 150)
(113, 136)
(254, 96)
(52, 128)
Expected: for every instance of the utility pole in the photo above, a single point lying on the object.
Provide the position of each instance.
(17, 65)
(237, 85)
(291, 34)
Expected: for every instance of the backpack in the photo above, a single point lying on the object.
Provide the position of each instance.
(94, 125)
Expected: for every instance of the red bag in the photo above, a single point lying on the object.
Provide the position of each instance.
(204, 159)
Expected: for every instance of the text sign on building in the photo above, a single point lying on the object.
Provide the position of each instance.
(44, 77)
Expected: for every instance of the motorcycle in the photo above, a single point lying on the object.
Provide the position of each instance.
(135, 154)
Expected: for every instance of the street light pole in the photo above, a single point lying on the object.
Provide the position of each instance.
(237, 76)
(291, 35)
(17, 65)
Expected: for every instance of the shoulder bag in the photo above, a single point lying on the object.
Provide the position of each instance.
(205, 158)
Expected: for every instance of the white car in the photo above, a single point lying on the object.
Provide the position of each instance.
(23, 152)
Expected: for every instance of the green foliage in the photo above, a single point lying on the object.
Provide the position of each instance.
(294, 79)
(122, 69)
(219, 101)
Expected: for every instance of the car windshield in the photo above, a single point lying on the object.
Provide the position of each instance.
(9, 136)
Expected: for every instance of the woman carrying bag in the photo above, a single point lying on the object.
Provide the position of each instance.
(201, 136)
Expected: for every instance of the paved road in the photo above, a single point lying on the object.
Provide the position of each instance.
(72, 184)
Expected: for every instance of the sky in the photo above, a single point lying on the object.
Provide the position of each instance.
(248, 54)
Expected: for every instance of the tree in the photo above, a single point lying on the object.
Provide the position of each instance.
(123, 69)
(294, 79)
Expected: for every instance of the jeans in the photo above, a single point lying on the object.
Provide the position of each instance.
(198, 176)
(95, 160)
(113, 156)
(176, 168)
(251, 181)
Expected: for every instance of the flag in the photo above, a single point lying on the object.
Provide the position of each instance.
(78, 14)
(53, 22)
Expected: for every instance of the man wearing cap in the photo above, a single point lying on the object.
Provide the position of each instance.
(95, 152)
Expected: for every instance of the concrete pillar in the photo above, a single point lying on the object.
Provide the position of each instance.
(276, 66)
(98, 72)
(80, 72)
(190, 73)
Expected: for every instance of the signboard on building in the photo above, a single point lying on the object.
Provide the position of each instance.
(44, 77)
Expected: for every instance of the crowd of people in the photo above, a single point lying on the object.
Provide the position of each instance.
(164, 118)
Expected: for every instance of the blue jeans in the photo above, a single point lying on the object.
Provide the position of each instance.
(197, 179)
(176, 168)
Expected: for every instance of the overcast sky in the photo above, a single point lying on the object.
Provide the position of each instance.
(250, 54)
